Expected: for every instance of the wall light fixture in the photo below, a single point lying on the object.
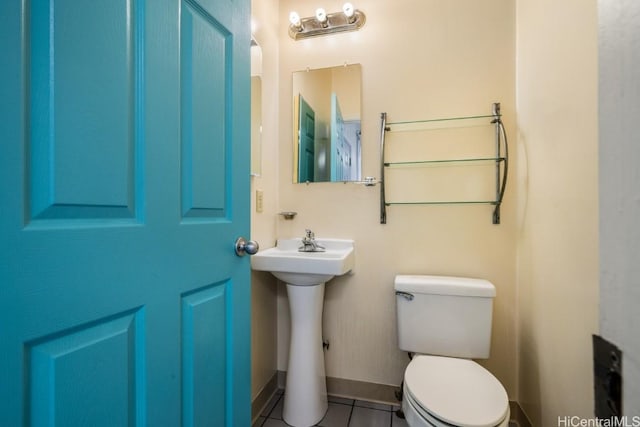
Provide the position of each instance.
(349, 19)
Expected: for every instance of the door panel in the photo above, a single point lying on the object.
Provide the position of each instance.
(204, 342)
(64, 369)
(124, 182)
(80, 115)
(204, 47)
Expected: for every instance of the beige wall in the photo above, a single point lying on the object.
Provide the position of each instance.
(263, 225)
(557, 206)
(421, 59)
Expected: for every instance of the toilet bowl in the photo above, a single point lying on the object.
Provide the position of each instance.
(444, 392)
(446, 322)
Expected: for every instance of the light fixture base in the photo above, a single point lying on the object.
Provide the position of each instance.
(336, 23)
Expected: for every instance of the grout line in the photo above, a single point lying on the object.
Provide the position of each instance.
(341, 403)
(353, 403)
(274, 407)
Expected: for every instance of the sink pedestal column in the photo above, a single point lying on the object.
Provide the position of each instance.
(305, 398)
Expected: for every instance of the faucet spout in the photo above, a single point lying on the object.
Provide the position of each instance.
(309, 243)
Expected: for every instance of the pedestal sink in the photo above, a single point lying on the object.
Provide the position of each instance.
(305, 273)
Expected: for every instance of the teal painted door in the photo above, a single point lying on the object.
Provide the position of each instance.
(306, 152)
(124, 182)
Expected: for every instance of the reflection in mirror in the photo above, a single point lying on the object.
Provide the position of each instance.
(326, 125)
(256, 109)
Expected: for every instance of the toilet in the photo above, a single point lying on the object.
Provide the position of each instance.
(446, 322)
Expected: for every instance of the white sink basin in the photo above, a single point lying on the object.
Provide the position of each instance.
(306, 268)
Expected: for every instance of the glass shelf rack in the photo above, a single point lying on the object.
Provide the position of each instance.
(498, 160)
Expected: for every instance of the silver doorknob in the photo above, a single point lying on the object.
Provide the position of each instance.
(246, 247)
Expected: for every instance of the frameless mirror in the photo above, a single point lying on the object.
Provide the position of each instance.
(256, 109)
(326, 125)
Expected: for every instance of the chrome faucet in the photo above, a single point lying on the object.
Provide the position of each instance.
(309, 243)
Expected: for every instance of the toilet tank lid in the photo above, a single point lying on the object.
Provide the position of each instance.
(445, 285)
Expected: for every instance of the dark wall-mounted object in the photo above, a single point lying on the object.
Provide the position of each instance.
(607, 381)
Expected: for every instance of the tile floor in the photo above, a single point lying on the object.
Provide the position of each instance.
(341, 413)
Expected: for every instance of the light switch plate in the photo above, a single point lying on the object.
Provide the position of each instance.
(259, 201)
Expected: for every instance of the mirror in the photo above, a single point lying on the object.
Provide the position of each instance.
(256, 109)
(326, 125)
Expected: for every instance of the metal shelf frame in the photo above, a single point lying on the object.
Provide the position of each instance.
(501, 158)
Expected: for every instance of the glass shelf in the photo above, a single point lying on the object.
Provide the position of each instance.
(446, 202)
(419, 163)
(432, 124)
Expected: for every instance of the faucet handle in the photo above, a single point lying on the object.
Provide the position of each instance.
(309, 234)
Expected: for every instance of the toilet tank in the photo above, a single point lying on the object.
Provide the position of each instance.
(445, 316)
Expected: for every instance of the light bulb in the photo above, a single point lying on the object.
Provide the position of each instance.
(294, 18)
(321, 15)
(348, 10)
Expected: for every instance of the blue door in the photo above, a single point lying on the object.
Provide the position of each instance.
(306, 132)
(124, 182)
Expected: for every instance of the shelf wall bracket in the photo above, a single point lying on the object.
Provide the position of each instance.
(383, 202)
(501, 172)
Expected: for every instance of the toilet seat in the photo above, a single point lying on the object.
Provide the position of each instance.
(446, 391)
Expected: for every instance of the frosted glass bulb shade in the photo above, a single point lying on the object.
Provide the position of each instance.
(321, 15)
(294, 18)
(348, 10)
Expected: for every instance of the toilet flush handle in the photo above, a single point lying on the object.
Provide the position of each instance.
(406, 295)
